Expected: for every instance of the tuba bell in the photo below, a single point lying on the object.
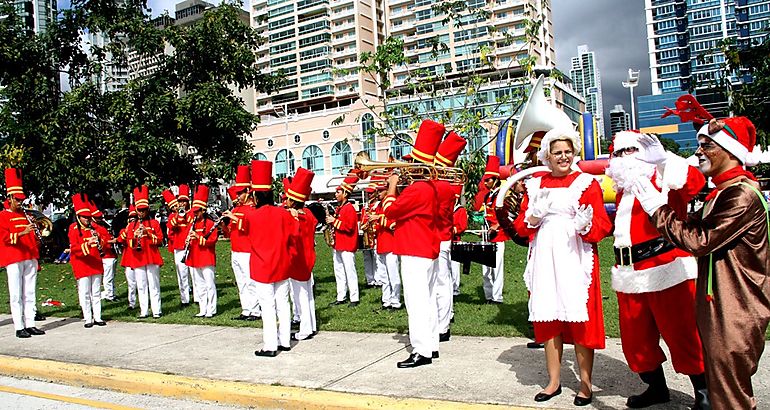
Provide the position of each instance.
(539, 115)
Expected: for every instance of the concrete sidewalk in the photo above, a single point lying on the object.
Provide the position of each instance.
(218, 363)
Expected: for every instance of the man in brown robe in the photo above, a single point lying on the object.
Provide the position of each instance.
(729, 236)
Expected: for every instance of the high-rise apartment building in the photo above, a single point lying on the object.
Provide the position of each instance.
(620, 120)
(36, 15)
(587, 82)
(114, 75)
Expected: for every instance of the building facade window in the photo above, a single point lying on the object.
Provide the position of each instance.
(400, 146)
(297, 139)
(368, 137)
(313, 159)
(270, 143)
(341, 158)
(259, 156)
(325, 135)
(284, 166)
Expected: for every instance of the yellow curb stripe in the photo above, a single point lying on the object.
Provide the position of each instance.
(235, 393)
(66, 399)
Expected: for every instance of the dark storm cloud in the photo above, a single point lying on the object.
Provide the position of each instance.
(615, 30)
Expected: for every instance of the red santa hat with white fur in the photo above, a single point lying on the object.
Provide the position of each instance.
(738, 136)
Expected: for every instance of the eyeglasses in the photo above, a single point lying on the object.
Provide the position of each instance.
(707, 146)
(624, 151)
(566, 153)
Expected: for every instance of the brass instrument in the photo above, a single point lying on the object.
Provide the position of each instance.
(329, 231)
(452, 175)
(508, 202)
(138, 246)
(42, 226)
(408, 172)
(368, 229)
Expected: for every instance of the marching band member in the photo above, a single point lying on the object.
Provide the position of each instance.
(459, 225)
(178, 229)
(564, 212)
(301, 269)
(345, 224)
(447, 154)
(127, 258)
(19, 255)
(171, 205)
(201, 258)
(86, 249)
(370, 260)
(109, 256)
(145, 236)
(241, 192)
(729, 236)
(417, 242)
(493, 277)
(387, 261)
(651, 276)
(270, 258)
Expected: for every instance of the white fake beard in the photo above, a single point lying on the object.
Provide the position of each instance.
(627, 169)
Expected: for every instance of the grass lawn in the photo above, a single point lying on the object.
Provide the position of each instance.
(472, 317)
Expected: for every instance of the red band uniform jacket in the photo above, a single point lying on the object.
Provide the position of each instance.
(178, 228)
(152, 239)
(304, 253)
(346, 228)
(202, 251)
(384, 229)
(446, 203)
(238, 231)
(271, 232)
(13, 246)
(84, 257)
(414, 212)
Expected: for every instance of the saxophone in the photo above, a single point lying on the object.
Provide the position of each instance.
(329, 231)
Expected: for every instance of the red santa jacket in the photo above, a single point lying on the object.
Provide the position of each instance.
(346, 228)
(384, 230)
(178, 227)
(237, 232)
(459, 221)
(14, 247)
(633, 227)
(84, 257)
(109, 252)
(304, 248)
(148, 254)
(491, 217)
(414, 212)
(271, 232)
(202, 250)
(446, 203)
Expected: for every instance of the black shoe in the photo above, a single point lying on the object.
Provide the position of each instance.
(39, 317)
(535, 345)
(266, 353)
(184, 305)
(295, 324)
(337, 302)
(88, 325)
(353, 304)
(100, 323)
(414, 360)
(294, 337)
(444, 337)
(34, 331)
(452, 320)
(284, 348)
(583, 401)
(434, 354)
(252, 318)
(143, 316)
(23, 334)
(545, 396)
(494, 302)
(158, 316)
(241, 317)
(656, 393)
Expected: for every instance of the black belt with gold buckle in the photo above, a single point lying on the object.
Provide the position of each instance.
(628, 255)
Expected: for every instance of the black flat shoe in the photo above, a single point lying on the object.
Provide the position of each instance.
(34, 331)
(434, 354)
(294, 337)
(240, 317)
(353, 304)
(88, 325)
(253, 318)
(266, 353)
(39, 317)
(100, 323)
(23, 334)
(414, 360)
(582, 401)
(535, 345)
(338, 302)
(143, 316)
(444, 337)
(284, 349)
(545, 396)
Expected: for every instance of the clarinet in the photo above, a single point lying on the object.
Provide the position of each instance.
(189, 240)
(94, 234)
(35, 228)
(219, 221)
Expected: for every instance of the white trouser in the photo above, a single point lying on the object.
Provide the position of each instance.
(493, 277)
(108, 281)
(295, 305)
(391, 285)
(274, 300)
(444, 288)
(302, 295)
(417, 275)
(370, 266)
(345, 275)
(90, 296)
(131, 281)
(207, 289)
(456, 270)
(182, 277)
(148, 286)
(22, 280)
(246, 293)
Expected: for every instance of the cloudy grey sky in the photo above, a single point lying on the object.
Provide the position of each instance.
(615, 31)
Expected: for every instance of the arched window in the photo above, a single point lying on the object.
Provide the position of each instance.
(368, 138)
(400, 146)
(313, 159)
(341, 158)
(282, 166)
(259, 156)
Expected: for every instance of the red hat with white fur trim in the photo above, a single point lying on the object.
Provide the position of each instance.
(737, 135)
(625, 139)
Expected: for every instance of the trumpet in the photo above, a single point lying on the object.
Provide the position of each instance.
(138, 246)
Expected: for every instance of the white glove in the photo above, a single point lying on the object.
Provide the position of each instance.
(540, 204)
(653, 151)
(650, 198)
(584, 214)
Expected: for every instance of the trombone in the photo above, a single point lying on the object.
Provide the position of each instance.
(408, 172)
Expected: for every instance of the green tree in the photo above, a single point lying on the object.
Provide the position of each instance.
(181, 123)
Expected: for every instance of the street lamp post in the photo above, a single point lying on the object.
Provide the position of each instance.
(633, 81)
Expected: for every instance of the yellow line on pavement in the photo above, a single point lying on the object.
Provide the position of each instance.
(66, 399)
(235, 393)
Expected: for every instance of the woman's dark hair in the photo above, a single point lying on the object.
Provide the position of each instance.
(263, 198)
